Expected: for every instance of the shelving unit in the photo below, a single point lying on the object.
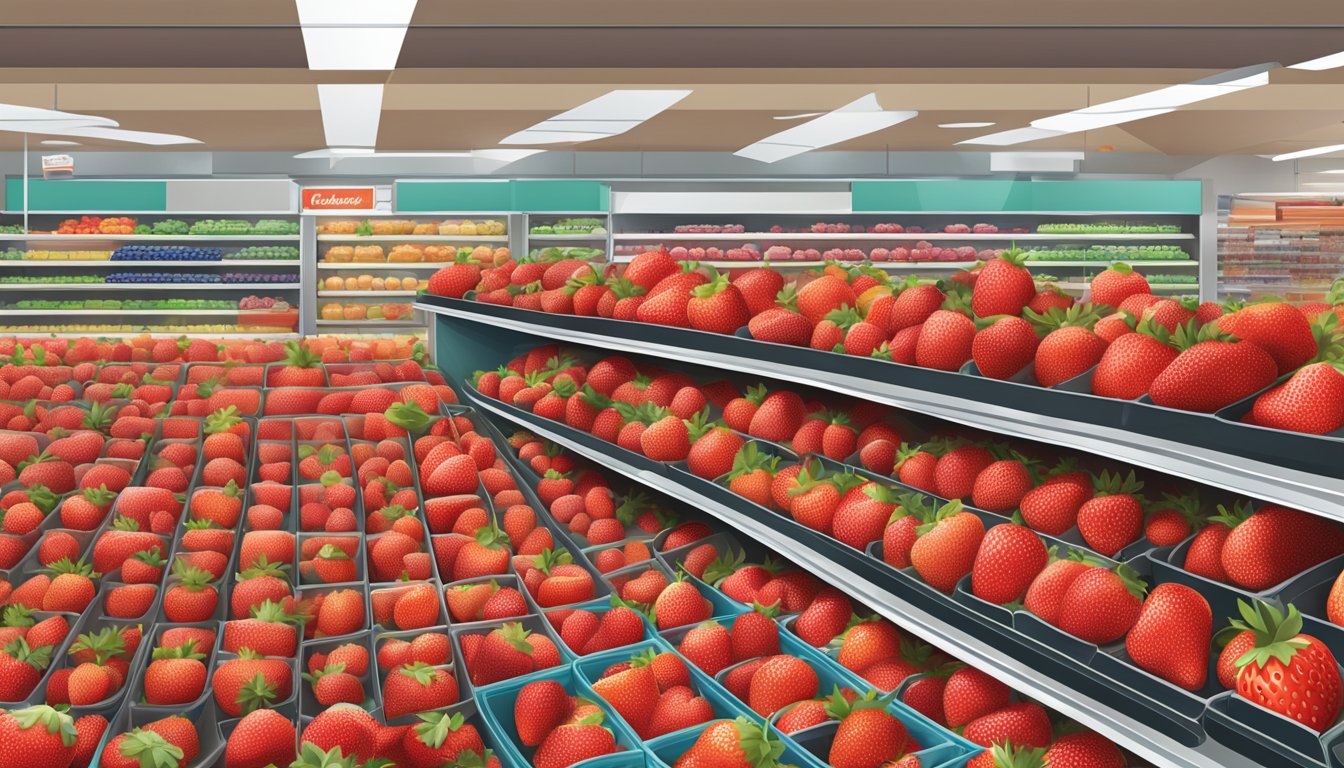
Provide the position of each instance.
(1280, 245)
(1001, 407)
(600, 241)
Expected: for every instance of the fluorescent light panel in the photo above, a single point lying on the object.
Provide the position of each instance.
(354, 34)
(350, 113)
(610, 114)
(857, 118)
(1138, 107)
(1332, 61)
(1326, 150)
(60, 143)
(964, 125)
(15, 113)
(134, 137)
(352, 153)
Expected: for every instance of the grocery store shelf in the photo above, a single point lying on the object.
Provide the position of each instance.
(901, 236)
(149, 238)
(148, 286)
(413, 239)
(347, 265)
(153, 335)
(253, 314)
(568, 238)
(981, 650)
(25, 263)
(371, 323)
(344, 294)
(903, 265)
(1160, 439)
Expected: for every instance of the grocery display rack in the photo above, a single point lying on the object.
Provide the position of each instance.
(1289, 245)
(476, 339)
(42, 251)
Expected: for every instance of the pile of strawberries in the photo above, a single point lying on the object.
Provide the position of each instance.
(1200, 358)
(1019, 525)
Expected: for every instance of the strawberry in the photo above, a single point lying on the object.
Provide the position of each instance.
(739, 742)
(946, 548)
(970, 694)
(649, 268)
(1172, 520)
(1211, 372)
(1117, 283)
(262, 737)
(666, 439)
(902, 529)
(1275, 543)
(632, 694)
(1113, 517)
(1009, 559)
(417, 687)
(1172, 635)
(1101, 605)
(679, 604)
(1084, 750)
(1132, 362)
(755, 634)
(957, 470)
(504, 653)
(868, 642)
(1003, 347)
(1052, 507)
(778, 418)
(538, 709)
(1004, 286)
(1279, 329)
(1024, 723)
(823, 295)
(249, 682)
(175, 676)
(781, 681)
(574, 743)
(717, 306)
(1312, 401)
(342, 729)
(708, 646)
(863, 514)
(1287, 672)
(1001, 485)
(44, 737)
(945, 340)
(868, 735)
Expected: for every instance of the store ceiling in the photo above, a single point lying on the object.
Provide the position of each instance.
(234, 75)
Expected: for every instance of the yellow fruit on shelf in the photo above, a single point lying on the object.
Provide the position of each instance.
(351, 284)
(392, 283)
(378, 284)
(354, 311)
(410, 284)
(331, 311)
(334, 283)
(374, 312)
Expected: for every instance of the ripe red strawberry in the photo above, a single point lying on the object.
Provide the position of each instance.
(418, 687)
(1117, 283)
(946, 552)
(1130, 364)
(1287, 672)
(1172, 520)
(914, 305)
(898, 538)
(246, 683)
(970, 694)
(176, 675)
(649, 268)
(1001, 486)
(778, 418)
(504, 653)
(739, 742)
(1278, 328)
(38, 736)
(957, 469)
(867, 643)
(823, 295)
(781, 325)
(868, 735)
(1112, 518)
(1004, 286)
(666, 439)
(708, 646)
(263, 737)
(781, 681)
(1172, 635)
(863, 514)
(538, 709)
(1052, 507)
(1047, 590)
(1084, 750)
(1211, 373)
(1101, 605)
(633, 693)
(1004, 347)
(1009, 559)
(945, 340)
(1023, 724)
(717, 306)
(679, 604)
(1312, 401)
(1236, 643)
(755, 634)
(1275, 543)
(574, 743)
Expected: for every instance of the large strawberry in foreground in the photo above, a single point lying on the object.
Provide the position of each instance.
(1288, 672)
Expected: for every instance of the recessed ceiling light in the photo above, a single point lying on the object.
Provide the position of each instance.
(857, 118)
(350, 113)
(964, 125)
(59, 143)
(1325, 62)
(353, 34)
(1326, 150)
(1138, 107)
(610, 114)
